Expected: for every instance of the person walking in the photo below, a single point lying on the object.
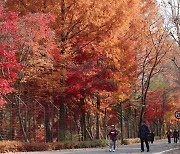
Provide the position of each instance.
(168, 134)
(113, 137)
(143, 134)
(175, 135)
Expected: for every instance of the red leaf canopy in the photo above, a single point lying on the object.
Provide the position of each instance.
(87, 74)
(8, 63)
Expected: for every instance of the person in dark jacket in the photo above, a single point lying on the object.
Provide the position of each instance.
(143, 134)
(168, 134)
(175, 135)
(113, 137)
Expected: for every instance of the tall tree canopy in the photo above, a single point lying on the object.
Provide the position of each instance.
(99, 23)
(9, 67)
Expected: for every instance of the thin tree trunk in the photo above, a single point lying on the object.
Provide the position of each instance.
(97, 118)
(1, 122)
(21, 122)
(121, 123)
(128, 129)
(71, 127)
(34, 122)
(83, 127)
(129, 121)
(89, 126)
(48, 126)
(48, 129)
(83, 121)
(62, 123)
(12, 119)
(29, 129)
(135, 123)
(62, 110)
(105, 123)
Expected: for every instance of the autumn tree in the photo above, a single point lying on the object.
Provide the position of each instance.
(8, 63)
(85, 56)
(170, 11)
(99, 23)
(153, 44)
(159, 102)
(37, 42)
(9, 66)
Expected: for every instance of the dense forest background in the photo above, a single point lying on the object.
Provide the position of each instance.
(69, 69)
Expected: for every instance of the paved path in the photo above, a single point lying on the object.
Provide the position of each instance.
(158, 147)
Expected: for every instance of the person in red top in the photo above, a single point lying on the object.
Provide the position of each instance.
(113, 137)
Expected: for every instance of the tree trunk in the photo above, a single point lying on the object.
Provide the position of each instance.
(62, 110)
(29, 128)
(21, 122)
(142, 111)
(135, 123)
(62, 122)
(12, 120)
(1, 122)
(48, 127)
(89, 126)
(105, 123)
(121, 122)
(97, 118)
(52, 121)
(83, 121)
(71, 126)
(128, 129)
(30, 117)
(129, 122)
(83, 127)
(34, 122)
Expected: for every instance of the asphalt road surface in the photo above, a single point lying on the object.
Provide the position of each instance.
(158, 147)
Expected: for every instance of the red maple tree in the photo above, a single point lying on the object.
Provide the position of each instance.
(9, 67)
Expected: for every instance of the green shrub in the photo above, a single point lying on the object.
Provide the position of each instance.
(83, 144)
(68, 145)
(99, 143)
(74, 137)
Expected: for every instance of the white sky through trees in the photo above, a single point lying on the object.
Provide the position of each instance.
(170, 11)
